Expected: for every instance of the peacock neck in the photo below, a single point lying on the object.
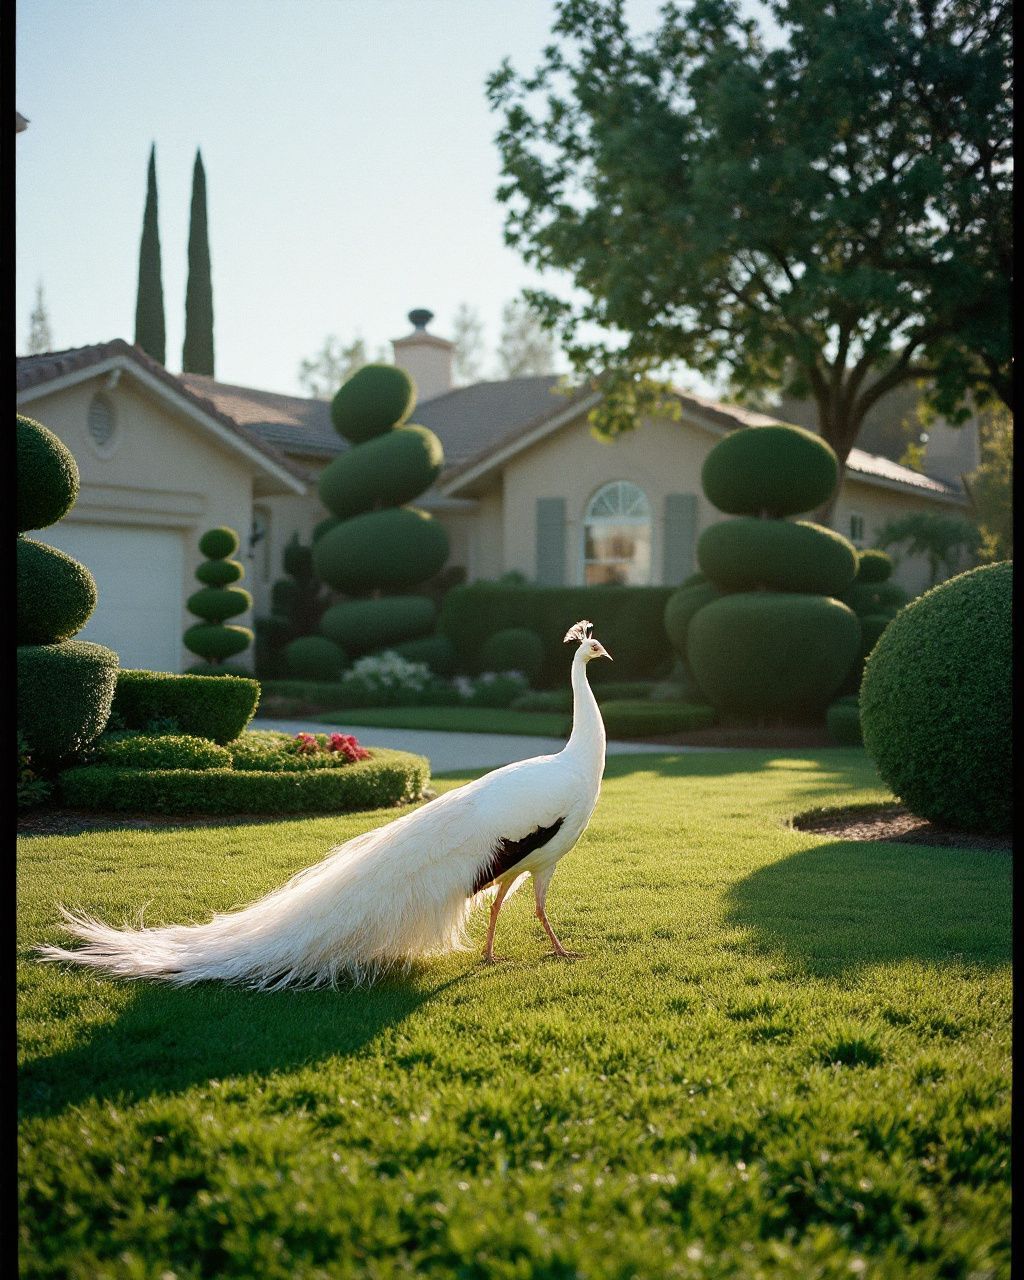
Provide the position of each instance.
(588, 737)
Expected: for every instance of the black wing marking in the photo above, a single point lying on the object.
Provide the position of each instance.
(507, 853)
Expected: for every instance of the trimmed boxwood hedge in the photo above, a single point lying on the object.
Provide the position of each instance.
(361, 626)
(436, 651)
(635, 719)
(784, 555)
(376, 398)
(627, 621)
(216, 707)
(131, 750)
(512, 649)
(315, 657)
(874, 565)
(386, 471)
(778, 470)
(47, 476)
(64, 695)
(56, 594)
(843, 722)
(392, 549)
(936, 701)
(388, 778)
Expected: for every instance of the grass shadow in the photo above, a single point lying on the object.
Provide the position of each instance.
(846, 904)
(166, 1039)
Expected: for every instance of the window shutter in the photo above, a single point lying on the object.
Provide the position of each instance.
(550, 542)
(680, 537)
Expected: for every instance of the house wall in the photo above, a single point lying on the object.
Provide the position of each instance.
(160, 471)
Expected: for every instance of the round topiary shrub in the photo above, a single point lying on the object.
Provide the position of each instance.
(681, 607)
(875, 597)
(771, 470)
(56, 594)
(65, 692)
(768, 653)
(936, 701)
(361, 626)
(393, 549)
(211, 638)
(324, 526)
(220, 573)
(746, 553)
(376, 398)
(47, 476)
(386, 471)
(873, 565)
(314, 658)
(512, 649)
(436, 651)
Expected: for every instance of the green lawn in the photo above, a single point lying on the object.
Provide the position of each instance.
(780, 1056)
(546, 724)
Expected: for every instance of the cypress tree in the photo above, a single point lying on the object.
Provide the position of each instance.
(149, 303)
(197, 352)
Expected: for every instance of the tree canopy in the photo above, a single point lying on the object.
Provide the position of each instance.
(825, 217)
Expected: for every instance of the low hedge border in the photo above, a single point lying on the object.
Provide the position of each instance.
(388, 778)
(643, 719)
(216, 707)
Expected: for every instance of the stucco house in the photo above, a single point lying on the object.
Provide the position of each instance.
(526, 486)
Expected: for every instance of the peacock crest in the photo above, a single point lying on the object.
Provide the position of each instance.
(579, 631)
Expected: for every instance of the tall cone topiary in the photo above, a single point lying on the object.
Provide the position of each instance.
(213, 639)
(766, 636)
(149, 302)
(65, 686)
(377, 546)
(197, 349)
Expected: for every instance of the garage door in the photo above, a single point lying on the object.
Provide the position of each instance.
(139, 576)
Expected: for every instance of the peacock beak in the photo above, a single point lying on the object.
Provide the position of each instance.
(603, 653)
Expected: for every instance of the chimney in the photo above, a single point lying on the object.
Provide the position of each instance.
(427, 358)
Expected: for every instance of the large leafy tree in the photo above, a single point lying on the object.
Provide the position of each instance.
(150, 334)
(197, 350)
(824, 217)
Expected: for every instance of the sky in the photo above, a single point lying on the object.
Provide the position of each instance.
(349, 156)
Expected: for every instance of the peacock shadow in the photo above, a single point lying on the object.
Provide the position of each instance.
(846, 904)
(166, 1039)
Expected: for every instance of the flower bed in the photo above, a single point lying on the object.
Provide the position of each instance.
(263, 772)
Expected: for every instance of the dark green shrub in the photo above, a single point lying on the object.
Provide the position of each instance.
(32, 789)
(646, 719)
(219, 543)
(47, 476)
(681, 607)
(771, 470)
(222, 669)
(627, 621)
(622, 690)
(871, 627)
(217, 641)
(65, 693)
(512, 649)
(220, 573)
(56, 595)
(160, 751)
(387, 471)
(388, 778)
(324, 526)
(215, 707)
(768, 653)
(874, 597)
(543, 700)
(843, 722)
(376, 398)
(436, 651)
(361, 626)
(873, 565)
(298, 560)
(314, 658)
(318, 692)
(747, 553)
(212, 639)
(935, 701)
(392, 549)
(496, 689)
(217, 604)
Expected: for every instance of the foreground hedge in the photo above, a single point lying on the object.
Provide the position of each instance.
(64, 695)
(217, 707)
(641, 719)
(627, 621)
(388, 778)
(936, 701)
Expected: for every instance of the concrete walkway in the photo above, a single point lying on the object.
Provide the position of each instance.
(450, 751)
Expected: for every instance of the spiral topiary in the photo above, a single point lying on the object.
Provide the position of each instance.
(936, 701)
(212, 638)
(780, 643)
(65, 686)
(376, 546)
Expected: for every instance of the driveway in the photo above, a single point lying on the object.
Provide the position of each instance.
(451, 751)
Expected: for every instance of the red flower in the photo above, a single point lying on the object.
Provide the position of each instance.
(306, 744)
(347, 745)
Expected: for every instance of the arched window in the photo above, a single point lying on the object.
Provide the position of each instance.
(617, 536)
(102, 423)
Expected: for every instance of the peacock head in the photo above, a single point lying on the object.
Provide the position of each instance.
(589, 647)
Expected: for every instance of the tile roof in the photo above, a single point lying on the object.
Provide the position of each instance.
(35, 370)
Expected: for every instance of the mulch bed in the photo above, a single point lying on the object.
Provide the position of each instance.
(894, 824)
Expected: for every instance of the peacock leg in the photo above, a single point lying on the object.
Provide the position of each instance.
(489, 956)
(540, 892)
